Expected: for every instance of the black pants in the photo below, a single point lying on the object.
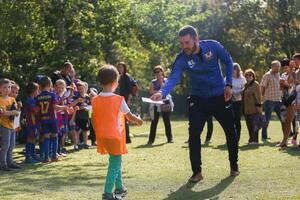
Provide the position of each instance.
(154, 122)
(253, 135)
(237, 111)
(128, 139)
(210, 128)
(199, 110)
(92, 134)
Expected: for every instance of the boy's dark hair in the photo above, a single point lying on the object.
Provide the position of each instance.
(45, 82)
(107, 74)
(285, 62)
(31, 87)
(296, 55)
(188, 30)
(4, 81)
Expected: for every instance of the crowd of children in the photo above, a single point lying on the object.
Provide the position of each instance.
(53, 111)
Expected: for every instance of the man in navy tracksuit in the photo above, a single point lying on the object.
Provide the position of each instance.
(210, 93)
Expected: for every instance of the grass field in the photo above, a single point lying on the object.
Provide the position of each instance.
(160, 172)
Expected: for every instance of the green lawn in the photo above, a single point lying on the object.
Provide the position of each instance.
(161, 171)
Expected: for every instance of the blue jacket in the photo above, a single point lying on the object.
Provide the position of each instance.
(204, 70)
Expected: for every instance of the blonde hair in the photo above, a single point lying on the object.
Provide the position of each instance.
(61, 82)
(14, 85)
(238, 68)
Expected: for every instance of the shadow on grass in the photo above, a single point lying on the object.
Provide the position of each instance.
(247, 147)
(150, 145)
(269, 144)
(293, 151)
(222, 147)
(51, 177)
(136, 135)
(185, 192)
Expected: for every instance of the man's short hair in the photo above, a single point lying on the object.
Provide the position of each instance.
(276, 62)
(188, 30)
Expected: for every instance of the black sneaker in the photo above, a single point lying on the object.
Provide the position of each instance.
(128, 141)
(121, 192)
(5, 168)
(14, 166)
(64, 150)
(170, 141)
(109, 196)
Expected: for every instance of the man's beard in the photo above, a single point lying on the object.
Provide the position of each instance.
(191, 51)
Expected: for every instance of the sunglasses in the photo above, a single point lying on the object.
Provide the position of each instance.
(248, 75)
(157, 72)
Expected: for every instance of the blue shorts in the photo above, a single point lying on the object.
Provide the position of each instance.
(49, 127)
(64, 129)
(32, 131)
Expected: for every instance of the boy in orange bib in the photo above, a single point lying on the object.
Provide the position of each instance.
(109, 112)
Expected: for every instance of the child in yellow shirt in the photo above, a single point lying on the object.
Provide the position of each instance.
(9, 110)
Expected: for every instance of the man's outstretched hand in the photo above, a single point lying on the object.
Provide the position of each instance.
(156, 97)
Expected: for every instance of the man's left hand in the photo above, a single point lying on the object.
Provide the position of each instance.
(227, 93)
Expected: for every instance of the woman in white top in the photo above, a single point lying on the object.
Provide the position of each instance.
(155, 86)
(238, 83)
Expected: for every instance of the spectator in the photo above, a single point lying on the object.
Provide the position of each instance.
(251, 104)
(287, 86)
(64, 73)
(238, 83)
(155, 86)
(126, 83)
(271, 94)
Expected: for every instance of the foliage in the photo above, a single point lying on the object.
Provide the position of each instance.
(36, 37)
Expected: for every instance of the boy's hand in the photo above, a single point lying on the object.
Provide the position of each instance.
(80, 100)
(19, 105)
(139, 121)
(14, 112)
(76, 108)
